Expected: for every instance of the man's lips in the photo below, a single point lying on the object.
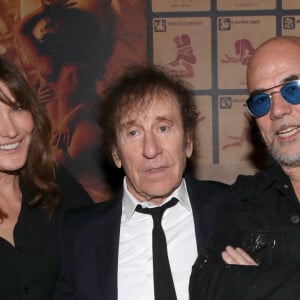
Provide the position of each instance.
(288, 131)
(155, 170)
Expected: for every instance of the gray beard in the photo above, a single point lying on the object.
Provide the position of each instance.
(284, 159)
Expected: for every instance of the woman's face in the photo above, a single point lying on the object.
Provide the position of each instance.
(42, 27)
(16, 126)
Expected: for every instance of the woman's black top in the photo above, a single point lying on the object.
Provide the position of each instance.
(30, 268)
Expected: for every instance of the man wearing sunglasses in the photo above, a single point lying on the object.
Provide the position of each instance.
(254, 252)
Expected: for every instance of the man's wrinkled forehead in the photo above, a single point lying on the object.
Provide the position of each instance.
(129, 118)
(133, 106)
(281, 82)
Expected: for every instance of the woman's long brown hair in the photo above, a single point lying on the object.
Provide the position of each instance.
(39, 171)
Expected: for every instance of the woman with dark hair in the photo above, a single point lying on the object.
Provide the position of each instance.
(34, 192)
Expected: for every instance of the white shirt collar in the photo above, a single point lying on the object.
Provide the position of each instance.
(130, 202)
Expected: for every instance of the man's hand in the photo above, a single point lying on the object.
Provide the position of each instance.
(237, 256)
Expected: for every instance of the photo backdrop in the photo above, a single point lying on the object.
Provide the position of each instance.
(209, 43)
(71, 50)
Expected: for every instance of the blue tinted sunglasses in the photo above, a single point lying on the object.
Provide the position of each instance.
(260, 104)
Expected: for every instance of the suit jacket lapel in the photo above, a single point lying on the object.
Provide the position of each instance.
(107, 248)
(202, 212)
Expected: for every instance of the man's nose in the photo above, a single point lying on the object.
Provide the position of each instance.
(151, 147)
(279, 106)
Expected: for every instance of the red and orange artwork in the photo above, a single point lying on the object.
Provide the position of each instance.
(69, 51)
(9, 15)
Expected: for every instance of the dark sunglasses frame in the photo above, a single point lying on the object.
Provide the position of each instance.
(264, 99)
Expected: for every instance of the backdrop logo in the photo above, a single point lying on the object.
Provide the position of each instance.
(224, 24)
(289, 23)
(160, 25)
(225, 102)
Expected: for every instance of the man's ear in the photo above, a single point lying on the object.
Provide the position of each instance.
(116, 157)
(189, 146)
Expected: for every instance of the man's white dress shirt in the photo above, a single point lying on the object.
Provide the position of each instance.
(135, 268)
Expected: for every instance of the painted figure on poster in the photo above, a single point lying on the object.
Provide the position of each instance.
(244, 137)
(184, 56)
(200, 118)
(9, 14)
(64, 51)
(243, 50)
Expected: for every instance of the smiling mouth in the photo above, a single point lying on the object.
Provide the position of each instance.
(288, 132)
(10, 146)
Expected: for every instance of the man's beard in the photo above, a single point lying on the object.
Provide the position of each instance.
(284, 159)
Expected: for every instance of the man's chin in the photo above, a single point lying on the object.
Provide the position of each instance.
(286, 159)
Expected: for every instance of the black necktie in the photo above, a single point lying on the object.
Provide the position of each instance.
(163, 282)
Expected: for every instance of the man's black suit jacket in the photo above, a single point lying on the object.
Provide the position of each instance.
(90, 240)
